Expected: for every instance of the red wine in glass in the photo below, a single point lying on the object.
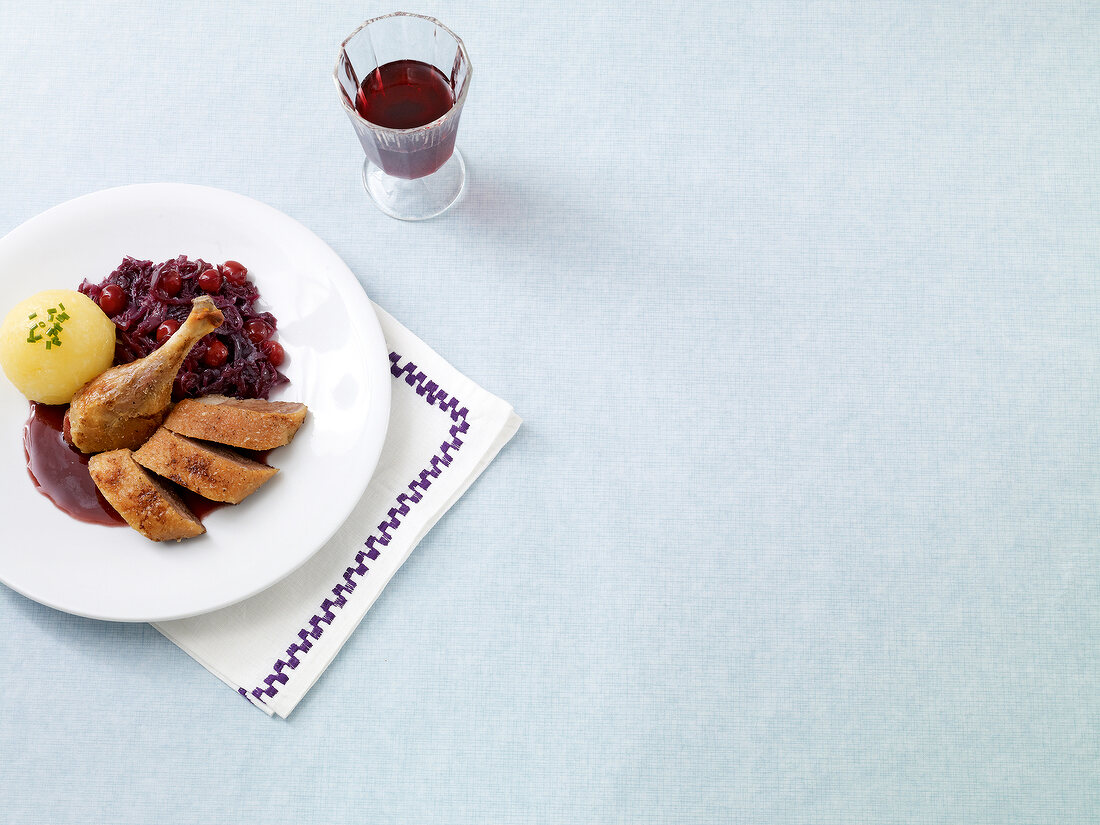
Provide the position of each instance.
(405, 111)
(407, 94)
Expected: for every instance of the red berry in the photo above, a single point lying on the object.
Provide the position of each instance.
(170, 282)
(112, 299)
(167, 330)
(216, 355)
(257, 331)
(275, 352)
(210, 281)
(235, 273)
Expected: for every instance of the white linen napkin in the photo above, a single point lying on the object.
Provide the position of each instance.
(444, 430)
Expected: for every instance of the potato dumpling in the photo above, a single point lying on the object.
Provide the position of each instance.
(54, 343)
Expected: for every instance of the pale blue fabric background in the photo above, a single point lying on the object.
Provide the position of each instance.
(799, 303)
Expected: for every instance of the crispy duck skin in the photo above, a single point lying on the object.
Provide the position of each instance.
(216, 473)
(149, 507)
(123, 406)
(252, 424)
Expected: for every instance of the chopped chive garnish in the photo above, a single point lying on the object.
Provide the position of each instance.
(50, 329)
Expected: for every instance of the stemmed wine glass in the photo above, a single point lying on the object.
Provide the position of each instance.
(403, 80)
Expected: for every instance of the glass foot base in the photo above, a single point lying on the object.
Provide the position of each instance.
(419, 199)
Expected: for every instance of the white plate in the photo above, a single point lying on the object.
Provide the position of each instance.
(337, 363)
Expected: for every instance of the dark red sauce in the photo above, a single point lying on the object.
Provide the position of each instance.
(201, 507)
(60, 471)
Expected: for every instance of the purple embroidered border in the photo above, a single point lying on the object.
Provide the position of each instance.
(434, 396)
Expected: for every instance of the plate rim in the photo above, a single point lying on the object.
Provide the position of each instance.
(349, 286)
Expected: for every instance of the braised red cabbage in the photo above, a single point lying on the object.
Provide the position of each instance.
(247, 373)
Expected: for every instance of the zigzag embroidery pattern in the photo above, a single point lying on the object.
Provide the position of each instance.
(436, 397)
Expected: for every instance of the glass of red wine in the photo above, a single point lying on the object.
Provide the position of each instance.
(403, 80)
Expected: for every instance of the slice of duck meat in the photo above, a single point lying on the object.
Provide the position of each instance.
(147, 505)
(216, 473)
(252, 424)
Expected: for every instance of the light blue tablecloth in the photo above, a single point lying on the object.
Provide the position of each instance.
(800, 305)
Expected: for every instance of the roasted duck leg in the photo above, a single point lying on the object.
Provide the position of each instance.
(123, 406)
